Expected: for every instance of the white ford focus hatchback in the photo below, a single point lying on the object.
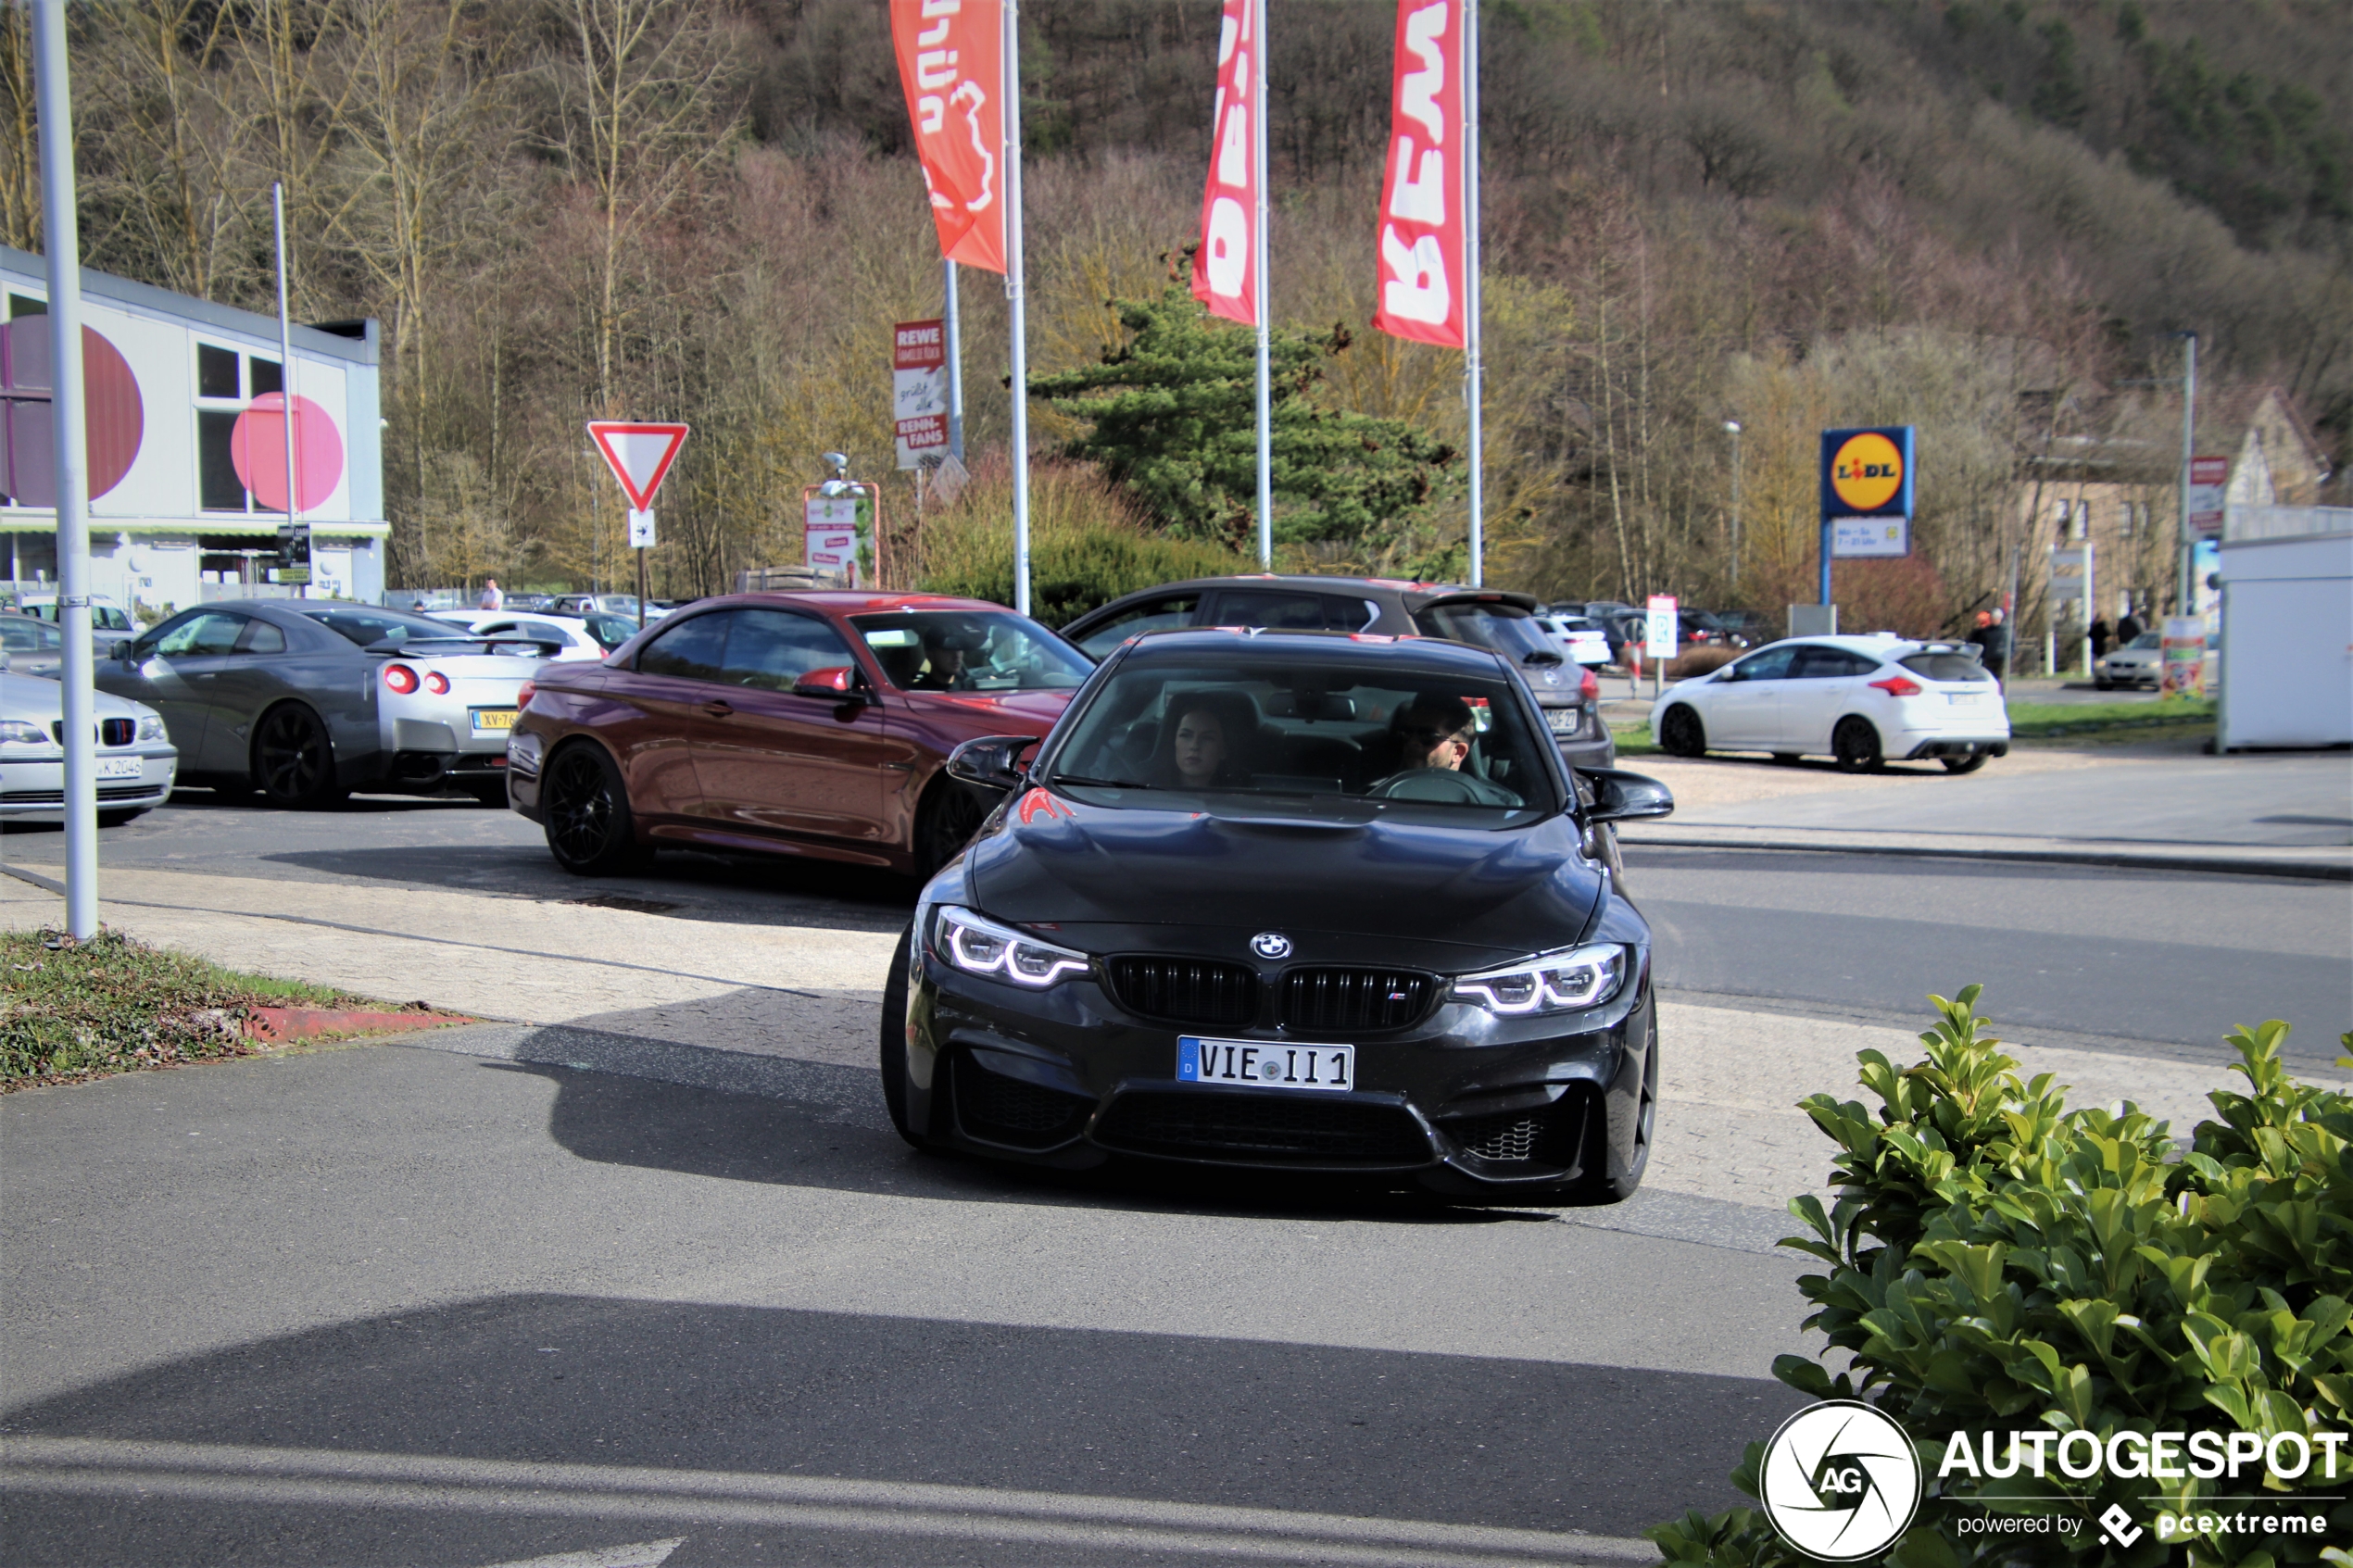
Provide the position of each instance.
(1863, 700)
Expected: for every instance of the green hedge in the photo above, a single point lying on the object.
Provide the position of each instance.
(2000, 1264)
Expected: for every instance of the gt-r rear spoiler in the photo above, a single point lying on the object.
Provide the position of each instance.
(428, 647)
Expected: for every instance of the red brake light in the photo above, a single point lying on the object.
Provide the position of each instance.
(1898, 686)
(437, 683)
(524, 695)
(399, 678)
(1588, 686)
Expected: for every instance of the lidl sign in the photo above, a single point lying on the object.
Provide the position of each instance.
(1867, 473)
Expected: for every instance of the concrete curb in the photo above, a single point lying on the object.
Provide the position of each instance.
(2209, 859)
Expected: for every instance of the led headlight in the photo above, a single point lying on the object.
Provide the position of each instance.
(151, 727)
(1564, 981)
(982, 947)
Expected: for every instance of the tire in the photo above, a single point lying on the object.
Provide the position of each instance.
(1680, 734)
(894, 1040)
(294, 759)
(584, 805)
(1856, 746)
(1602, 1186)
(951, 813)
(116, 818)
(1968, 764)
(490, 792)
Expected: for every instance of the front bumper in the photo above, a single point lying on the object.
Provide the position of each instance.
(1462, 1102)
(34, 791)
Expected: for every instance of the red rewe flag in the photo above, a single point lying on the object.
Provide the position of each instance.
(1224, 274)
(952, 66)
(1423, 209)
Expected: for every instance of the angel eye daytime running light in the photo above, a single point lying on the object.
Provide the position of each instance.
(982, 947)
(1565, 980)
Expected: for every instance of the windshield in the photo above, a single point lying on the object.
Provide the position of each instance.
(970, 650)
(1352, 733)
(21, 633)
(366, 626)
(2148, 640)
(1941, 666)
(1510, 632)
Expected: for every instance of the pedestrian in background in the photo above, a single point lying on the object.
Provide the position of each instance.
(1997, 646)
(491, 597)
(2128, 627)
(2098, 635)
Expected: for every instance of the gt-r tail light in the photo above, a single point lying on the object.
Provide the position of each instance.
(400, 679)
(525, 693)
(437, 683)
(1898, 686)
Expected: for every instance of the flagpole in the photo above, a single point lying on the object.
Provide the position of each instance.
(955, 368)
(61, 237)
(1264, 289)
(1472, 368)
(1018, 325)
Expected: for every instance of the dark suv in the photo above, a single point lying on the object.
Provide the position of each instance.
(1485, 618)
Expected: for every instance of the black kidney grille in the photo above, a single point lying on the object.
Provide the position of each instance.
(1185, 990)
(111, 732)
(1259, 1129)
(1354, 999)
(1008, 1110)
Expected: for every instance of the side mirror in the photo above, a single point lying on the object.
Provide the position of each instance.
(992, 761)
(122, 651)
(1621, 796)
(837, 683)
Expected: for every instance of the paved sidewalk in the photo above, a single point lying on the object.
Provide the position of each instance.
(791, 1011)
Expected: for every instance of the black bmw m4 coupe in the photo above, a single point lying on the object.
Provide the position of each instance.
(1308, 901)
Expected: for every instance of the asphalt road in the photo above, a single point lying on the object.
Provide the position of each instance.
(392, 1305)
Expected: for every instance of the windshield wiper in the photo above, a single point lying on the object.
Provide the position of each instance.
(1099, 784)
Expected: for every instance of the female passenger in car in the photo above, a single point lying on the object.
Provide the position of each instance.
(1200, 751)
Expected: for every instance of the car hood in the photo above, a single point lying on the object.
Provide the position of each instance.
(38, 699)
(1028, 712)
(1479, 896)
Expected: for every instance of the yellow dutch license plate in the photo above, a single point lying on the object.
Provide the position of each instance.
(491, 719)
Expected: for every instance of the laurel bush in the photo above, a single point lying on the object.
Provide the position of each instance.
(1999, 1262)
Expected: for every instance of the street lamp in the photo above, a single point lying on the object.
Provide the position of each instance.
(1733, 427)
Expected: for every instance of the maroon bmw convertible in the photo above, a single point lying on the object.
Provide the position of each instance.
(812, 724)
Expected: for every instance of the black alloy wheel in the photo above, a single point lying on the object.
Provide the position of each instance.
(1968, 764)
(894, 1039)
(951, 813)
(1856, 746)
(585, 808)
(1680, 734)
(1600, 1187)
(294, 760)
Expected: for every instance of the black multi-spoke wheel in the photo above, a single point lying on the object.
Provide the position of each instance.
(585, 809)
(1680, 734)
(1856, 746)
(1603, 1185)
(953, 812)
(894, 1041)
(294, 760)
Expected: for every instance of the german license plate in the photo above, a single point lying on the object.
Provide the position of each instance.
(120, 767)
(489, 721)
(1265, 1064)
(1966, 699)
(1561, 721)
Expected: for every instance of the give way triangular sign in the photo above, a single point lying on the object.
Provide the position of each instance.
(639, 454)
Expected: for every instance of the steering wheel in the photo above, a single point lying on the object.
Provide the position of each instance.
(1444, 786)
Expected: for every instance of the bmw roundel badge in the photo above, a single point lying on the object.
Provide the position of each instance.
(1271, 945)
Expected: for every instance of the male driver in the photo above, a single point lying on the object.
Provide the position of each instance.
(945, 645)
(1434, 734)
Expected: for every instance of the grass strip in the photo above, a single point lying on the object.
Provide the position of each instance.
(71, 1011)
(2044, 720)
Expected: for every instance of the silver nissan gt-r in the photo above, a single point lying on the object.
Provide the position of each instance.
(305, 701)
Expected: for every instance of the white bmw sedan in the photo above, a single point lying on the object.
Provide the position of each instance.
(136, 760)
(1862, 701)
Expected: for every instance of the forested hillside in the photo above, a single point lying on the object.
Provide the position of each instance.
(1978, 218)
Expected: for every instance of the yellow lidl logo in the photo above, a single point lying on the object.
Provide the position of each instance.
(1867, 471)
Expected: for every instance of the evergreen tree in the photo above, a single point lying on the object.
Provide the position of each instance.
(1171, 416)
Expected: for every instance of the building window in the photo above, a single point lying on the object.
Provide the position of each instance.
(227, 380)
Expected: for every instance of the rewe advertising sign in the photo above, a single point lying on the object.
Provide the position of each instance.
(919, 390)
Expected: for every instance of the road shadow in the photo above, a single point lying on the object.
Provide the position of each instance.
(760, 1392)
